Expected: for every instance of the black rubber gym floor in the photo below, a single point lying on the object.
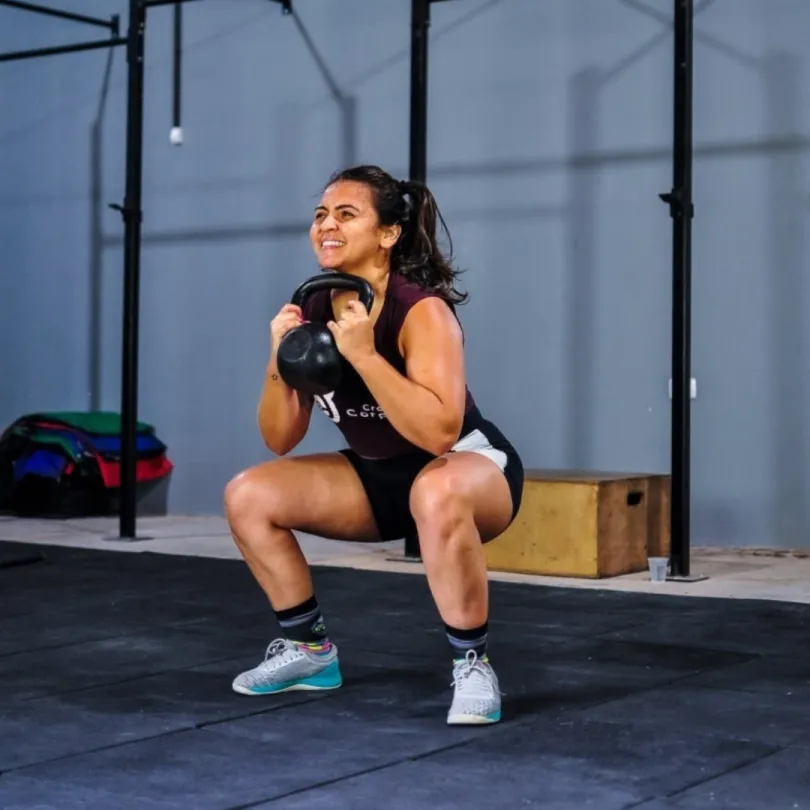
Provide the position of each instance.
(116, 671)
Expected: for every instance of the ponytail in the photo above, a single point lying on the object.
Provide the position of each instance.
(417, 254)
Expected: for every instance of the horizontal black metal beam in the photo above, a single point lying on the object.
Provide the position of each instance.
(75, 48)
(111, 25)
(286, 5)
(151, 3)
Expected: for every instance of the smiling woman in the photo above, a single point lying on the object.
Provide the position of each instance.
(420, 456)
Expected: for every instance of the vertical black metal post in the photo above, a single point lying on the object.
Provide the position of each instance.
(132, 215)
(177, 68)
(420, 24)
(682, 212)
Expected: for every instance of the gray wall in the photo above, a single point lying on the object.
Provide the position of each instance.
(549, 141)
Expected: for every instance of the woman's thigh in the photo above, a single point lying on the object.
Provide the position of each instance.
(319, 494)
(470, 480)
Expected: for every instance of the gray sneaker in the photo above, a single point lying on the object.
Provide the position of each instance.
(287, 667)
(477, 697)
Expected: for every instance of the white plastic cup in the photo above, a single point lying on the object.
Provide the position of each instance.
(658, 568)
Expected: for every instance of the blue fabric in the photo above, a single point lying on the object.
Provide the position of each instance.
(44, 463)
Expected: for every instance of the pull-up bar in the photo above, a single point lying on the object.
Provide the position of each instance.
(679, 199)
(130, 210)
(132, 214)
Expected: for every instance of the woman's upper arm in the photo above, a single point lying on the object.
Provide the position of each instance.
(432, 345)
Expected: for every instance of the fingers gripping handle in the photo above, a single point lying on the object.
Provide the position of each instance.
(334, 281)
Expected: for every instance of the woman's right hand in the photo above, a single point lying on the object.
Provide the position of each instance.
(289, 317)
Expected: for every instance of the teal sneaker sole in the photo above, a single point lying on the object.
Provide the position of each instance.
(328, 678)
(473, 719)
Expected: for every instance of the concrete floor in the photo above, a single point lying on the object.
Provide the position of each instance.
(739, 574)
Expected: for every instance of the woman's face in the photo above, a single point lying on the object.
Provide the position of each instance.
(346, 231)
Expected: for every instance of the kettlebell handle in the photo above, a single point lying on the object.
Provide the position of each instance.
(334, 281)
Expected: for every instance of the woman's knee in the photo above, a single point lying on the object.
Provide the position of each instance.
(438, 501)
(251, 495)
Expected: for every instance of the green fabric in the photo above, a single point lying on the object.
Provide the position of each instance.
(102, 423)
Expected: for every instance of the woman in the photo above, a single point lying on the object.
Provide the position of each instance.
(420, 455)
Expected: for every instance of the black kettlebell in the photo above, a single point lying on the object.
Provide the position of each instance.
(308, 358)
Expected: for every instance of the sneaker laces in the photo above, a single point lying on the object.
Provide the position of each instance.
(277, 648)
(473, 677)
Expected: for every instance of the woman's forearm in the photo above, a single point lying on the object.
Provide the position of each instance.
(283, 416)
(413, 410)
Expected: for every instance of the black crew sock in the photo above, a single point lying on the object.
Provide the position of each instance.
(463, 640)
(304, 626)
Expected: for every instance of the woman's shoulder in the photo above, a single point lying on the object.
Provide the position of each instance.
(408, 291)
(404, 294)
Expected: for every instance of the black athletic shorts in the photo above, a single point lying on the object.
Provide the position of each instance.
(388, 481)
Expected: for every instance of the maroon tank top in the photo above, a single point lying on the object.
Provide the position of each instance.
(351, 406)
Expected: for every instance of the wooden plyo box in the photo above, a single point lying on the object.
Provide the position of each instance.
(585, 524)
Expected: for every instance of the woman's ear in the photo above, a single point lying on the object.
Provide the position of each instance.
(390, 236)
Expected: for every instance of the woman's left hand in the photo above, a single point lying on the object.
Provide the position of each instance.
(354, 333)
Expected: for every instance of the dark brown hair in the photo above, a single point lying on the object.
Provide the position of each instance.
(416, 255)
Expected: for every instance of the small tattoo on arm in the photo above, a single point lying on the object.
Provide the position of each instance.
(275, 376)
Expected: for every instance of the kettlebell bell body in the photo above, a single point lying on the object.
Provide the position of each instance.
(308, 358)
